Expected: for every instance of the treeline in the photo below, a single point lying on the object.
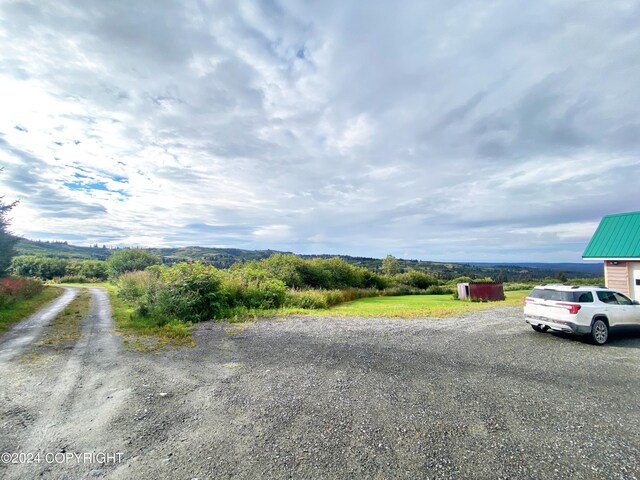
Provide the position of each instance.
(59, 269)
(226, 257)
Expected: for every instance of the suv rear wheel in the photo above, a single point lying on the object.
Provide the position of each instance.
(599, 332)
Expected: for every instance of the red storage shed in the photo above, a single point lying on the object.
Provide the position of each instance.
(482, 290)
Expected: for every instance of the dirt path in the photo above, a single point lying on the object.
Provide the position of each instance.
(63, 403)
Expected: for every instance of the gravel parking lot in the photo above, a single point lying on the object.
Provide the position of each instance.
(482, 396)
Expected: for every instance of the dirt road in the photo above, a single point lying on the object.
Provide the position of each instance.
(63, 401)
(482, 396)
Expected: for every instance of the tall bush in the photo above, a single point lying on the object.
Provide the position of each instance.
(415, 279)
(129, 260)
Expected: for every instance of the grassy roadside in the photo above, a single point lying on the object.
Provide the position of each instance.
(23, 308)
(144, 334)
(413, 306)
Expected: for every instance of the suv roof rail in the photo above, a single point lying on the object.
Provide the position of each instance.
(575, 286)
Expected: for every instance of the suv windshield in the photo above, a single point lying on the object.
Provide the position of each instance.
(564, 296)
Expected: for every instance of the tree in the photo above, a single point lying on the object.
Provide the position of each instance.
(390, 265)
(129, 260)
(562, 277)
(7, 240)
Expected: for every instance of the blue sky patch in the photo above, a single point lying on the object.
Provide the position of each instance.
(91, 185)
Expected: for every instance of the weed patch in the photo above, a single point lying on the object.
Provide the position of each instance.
(63, 331)
(145, 334)
(21, 308)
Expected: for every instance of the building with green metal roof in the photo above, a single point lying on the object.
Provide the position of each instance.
(617, 243)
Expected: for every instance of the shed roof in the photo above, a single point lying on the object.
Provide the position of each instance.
(617, 236)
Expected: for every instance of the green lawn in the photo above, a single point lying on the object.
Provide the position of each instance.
(23, 308)
(415, 306)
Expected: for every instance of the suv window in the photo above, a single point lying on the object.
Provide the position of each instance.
(563, 296)
(585, 297)
(607, 297)
(622, 300)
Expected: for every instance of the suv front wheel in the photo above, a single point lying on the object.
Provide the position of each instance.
(599, 332)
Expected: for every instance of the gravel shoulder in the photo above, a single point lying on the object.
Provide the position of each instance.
(480, 396)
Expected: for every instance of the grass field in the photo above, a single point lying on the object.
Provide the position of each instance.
(415, 306)
(23, 308)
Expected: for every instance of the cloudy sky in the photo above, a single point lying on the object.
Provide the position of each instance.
(438, 130)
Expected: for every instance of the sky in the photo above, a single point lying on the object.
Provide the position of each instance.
(498, 131)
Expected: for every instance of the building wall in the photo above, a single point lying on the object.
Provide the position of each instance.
(487, 291)
(616, 276)
(463, 291)
(634, 280)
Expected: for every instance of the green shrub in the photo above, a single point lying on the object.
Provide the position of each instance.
(319, 299)
(93, 269)
(415, 279)
(44, 268)
(190, 292)
(132, 286)
(129, 260)
(253, 291)
(439, 290)
(316, 273)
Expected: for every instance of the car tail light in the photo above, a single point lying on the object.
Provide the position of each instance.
(529, 300)
(572, 307)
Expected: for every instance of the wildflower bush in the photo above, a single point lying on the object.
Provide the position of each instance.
(13, 289)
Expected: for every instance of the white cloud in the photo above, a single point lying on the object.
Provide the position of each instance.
(276, 233)
(450, 131)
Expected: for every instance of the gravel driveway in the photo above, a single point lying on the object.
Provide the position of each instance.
(482, 396)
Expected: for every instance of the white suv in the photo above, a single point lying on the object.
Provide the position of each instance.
(589, 311)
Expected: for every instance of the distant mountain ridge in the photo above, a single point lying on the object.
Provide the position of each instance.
(225, 257)
(590, 267)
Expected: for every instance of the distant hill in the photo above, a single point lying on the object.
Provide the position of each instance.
(61, 250)
(225, 257)
(595, 268)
